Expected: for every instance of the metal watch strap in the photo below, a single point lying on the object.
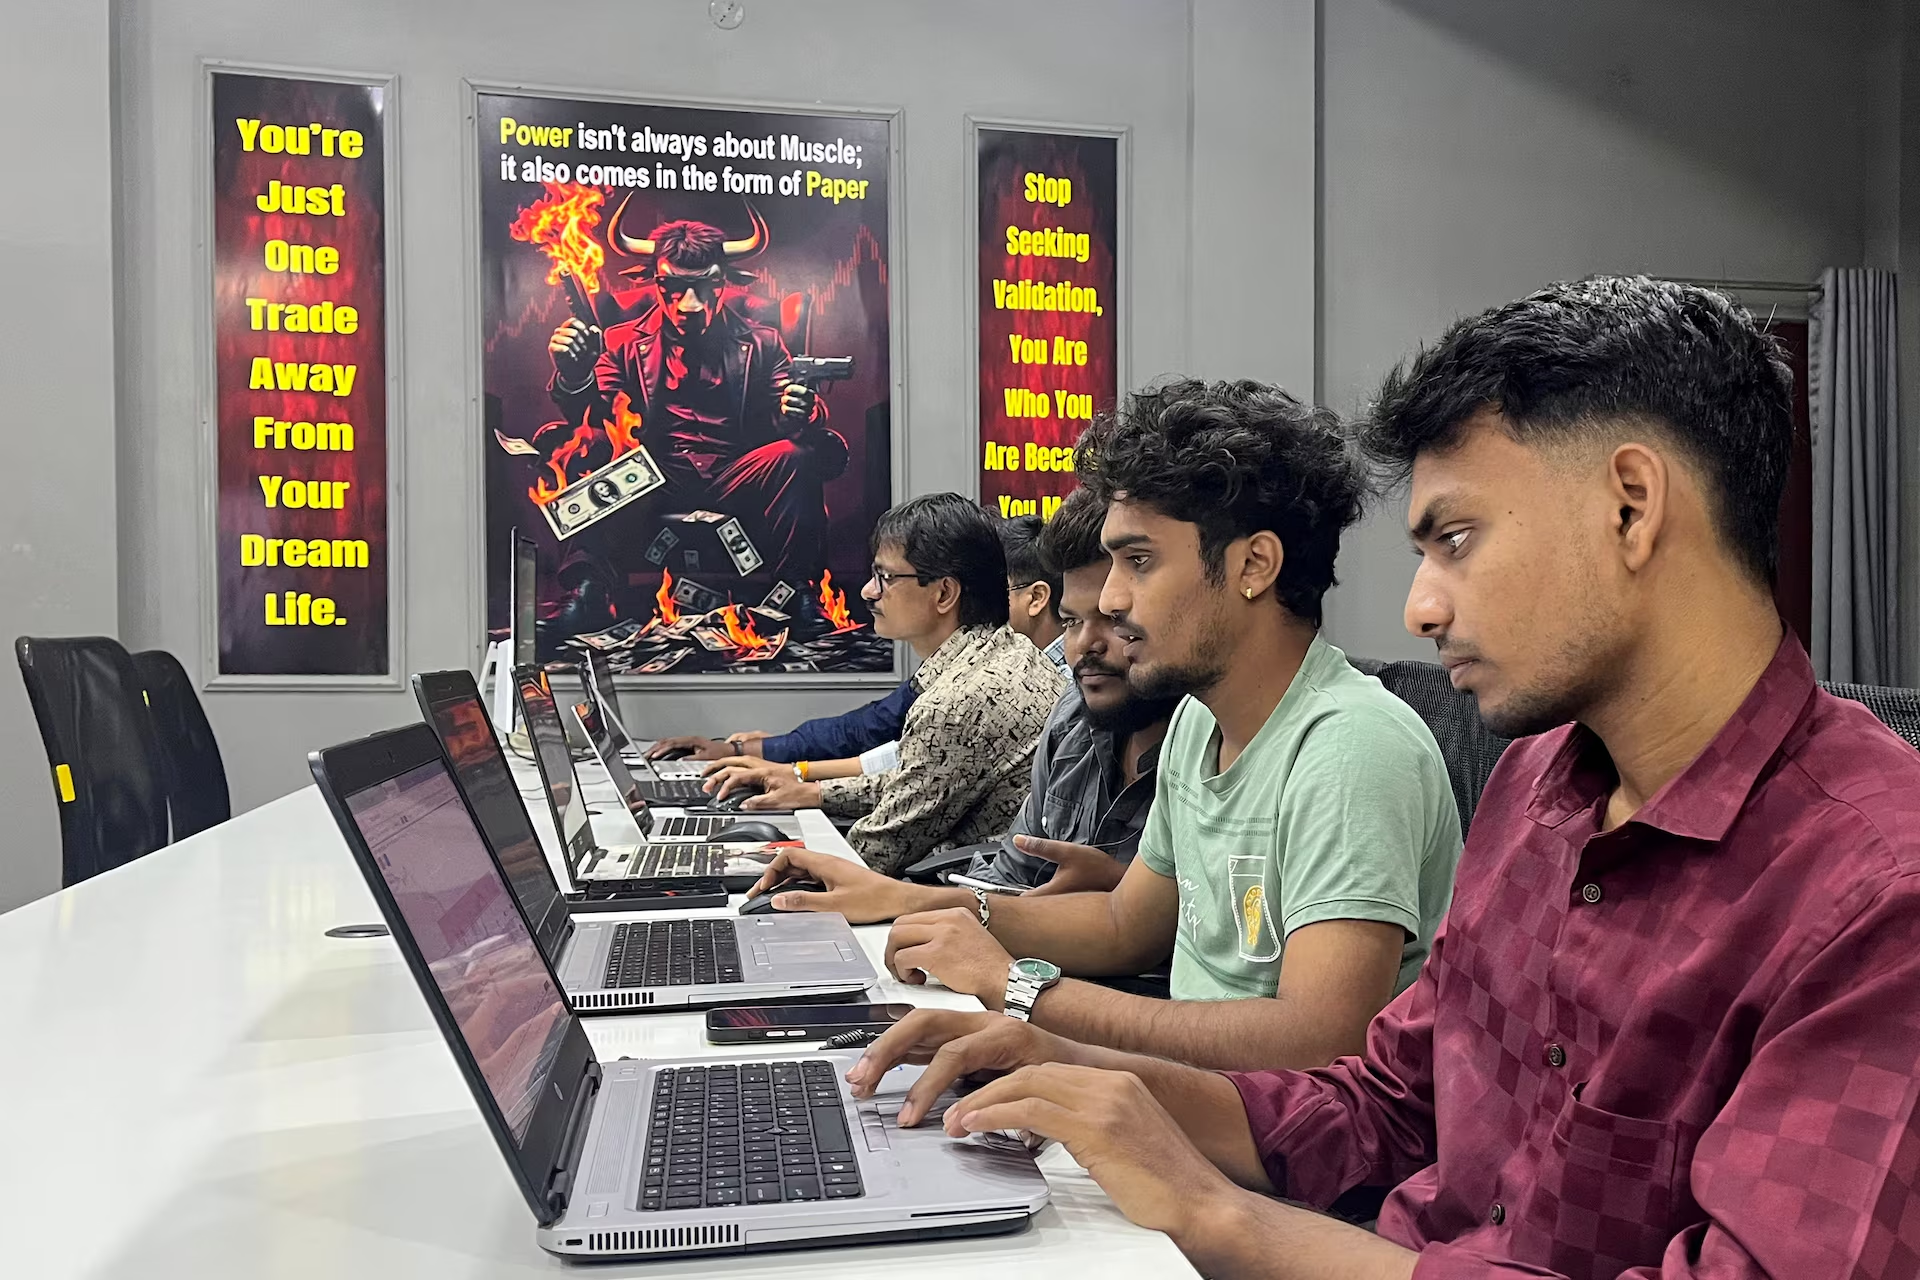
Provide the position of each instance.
(1021, 993)
(985, 911)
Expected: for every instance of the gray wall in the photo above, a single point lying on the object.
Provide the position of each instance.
(57, 560)
(1315, 188)
(938, 61)
(1474, 150)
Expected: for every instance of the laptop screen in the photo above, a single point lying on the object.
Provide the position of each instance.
(525, 569)
(456, 907)
(453, 707)
(598, 678)
(555, 759)
(595, 726)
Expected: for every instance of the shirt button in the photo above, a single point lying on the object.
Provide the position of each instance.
(1497, 1214)
(1556, 1056)
(1590, 893)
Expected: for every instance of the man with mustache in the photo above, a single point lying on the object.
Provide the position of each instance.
(1301, 845)
(1672, 1027)
(1093, 770)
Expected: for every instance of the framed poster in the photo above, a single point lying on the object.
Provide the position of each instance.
(689, 378)
(300, 369)
(1048, 303)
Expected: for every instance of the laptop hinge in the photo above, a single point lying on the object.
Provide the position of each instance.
(560, 1177)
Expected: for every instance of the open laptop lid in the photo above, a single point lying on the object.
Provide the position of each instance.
(555, 760)
(594, 725)
(523, 1053)
(451, 705)
(522, 624)
(597, 675)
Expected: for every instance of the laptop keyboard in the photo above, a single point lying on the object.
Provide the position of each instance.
(748, 1133)
(690, 826)
(673, 953)
(682, 860)
(675, 791)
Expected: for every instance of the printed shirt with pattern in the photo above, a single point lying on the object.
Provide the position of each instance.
(966, 749)
(1689, 1046)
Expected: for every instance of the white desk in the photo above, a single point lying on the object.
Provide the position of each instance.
(197, 1083)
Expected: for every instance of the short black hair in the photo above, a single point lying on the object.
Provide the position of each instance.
(1234, 458)
(944, 535)
(1071, 539)
(1020, 539)
(1588, 356)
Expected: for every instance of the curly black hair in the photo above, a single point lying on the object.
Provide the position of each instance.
(1071, 539)
(1589, 356)
(1234, 458)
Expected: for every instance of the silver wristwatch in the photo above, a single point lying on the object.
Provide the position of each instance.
(1026, 979)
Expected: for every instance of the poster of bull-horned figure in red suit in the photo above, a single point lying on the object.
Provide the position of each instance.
(688, 379)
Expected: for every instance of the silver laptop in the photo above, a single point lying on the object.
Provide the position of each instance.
(738, 865)
(596, 676)
(591, 722)
(624, 966)
(641, 1158)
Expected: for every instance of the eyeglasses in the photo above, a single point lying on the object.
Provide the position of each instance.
(887, 579)
(671, 287)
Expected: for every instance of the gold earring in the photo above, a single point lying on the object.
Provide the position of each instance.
(1247, 592)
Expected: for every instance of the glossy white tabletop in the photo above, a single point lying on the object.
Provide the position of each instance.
(198, 1083)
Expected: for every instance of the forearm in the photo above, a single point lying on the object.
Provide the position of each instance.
(1075, 931)
(849, 797)
(1204, 1104)
(818, 770)
(1268, 1034)
(1244, 1236)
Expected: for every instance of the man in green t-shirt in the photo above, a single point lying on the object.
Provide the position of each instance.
(1303, 838)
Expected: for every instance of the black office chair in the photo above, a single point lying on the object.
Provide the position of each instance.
(190, 763)
(100, 746)
(1898, 709)
(1468, 746)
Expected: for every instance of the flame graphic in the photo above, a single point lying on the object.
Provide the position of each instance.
(834, 604)
(742, 635)
(668, 612)
(1250, 910)
(624, 430)
(577, 444)
(562, 226)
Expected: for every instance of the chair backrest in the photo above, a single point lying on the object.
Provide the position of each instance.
(100, 745)
(190, 761)
(1468, 746)
(1898, 709)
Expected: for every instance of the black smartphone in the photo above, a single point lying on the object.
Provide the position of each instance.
(747, 1024)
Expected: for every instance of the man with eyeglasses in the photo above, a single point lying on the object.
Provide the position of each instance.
(966, 746)
(718, 408)
(1033, 589)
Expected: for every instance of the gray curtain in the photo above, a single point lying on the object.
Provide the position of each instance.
(1853, 397)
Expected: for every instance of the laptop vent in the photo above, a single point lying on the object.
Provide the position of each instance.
(612, 999)
(664, 1239)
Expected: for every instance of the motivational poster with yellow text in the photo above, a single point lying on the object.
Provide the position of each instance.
(300, 358)
(1048, 305)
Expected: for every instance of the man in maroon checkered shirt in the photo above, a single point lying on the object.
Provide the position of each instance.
(1672, 1024)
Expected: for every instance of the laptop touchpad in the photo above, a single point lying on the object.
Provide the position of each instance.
(802, 953)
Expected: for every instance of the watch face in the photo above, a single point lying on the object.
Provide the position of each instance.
(1038, 970)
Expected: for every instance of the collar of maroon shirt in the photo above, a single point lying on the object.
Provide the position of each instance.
(1703, 799)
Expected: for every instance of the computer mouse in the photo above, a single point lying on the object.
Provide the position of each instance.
(748, 833)
(761, 904)
(678, 753)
